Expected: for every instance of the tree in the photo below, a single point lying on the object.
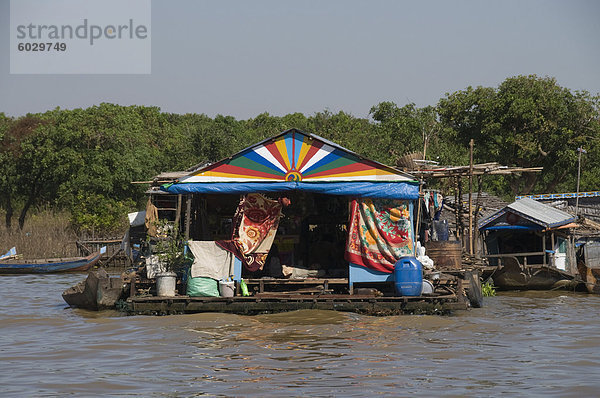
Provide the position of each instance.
(527, 122)
(16, 141)
(409, 129)
(8, 149)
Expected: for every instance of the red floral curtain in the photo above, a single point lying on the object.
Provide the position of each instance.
(380, 233)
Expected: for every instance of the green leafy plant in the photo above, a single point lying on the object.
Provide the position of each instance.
(169, 246)
(488, 289)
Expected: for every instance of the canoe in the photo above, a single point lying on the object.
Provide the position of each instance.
(47, 266)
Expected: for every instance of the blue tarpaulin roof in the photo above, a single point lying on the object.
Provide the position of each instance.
(295, 160)
(383, 190)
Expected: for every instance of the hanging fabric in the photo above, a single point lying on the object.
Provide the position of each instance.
(380, 233)
(254, 227)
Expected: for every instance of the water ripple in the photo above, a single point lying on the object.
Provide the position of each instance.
(527, 343)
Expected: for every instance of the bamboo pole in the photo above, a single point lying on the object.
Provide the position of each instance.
(457, 193)
(580, 150)
(471, 197)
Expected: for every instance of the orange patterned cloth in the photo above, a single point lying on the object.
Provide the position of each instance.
(380, 233)
(254, 227)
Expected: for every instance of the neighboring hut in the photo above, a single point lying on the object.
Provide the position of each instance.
(531, 243)
(309, 208)
(585, 204)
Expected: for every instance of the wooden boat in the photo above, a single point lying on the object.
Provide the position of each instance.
(48, 266)
(532, 246)
(591, 278)
(98, 291)
(512, 275)
(588, 265)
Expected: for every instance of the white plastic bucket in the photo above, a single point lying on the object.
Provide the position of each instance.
(165, 284)
(226, 289)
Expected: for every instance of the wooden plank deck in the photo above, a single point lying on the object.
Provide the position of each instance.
(273, 303)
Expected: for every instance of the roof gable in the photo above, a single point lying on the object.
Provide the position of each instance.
(295, 156)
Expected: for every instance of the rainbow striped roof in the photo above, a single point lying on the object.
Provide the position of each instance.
(295, 156)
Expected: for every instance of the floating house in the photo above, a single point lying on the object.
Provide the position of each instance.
(309, 207)
(532, 244)
(292, 222)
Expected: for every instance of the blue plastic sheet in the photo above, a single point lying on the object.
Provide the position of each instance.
(513, 227)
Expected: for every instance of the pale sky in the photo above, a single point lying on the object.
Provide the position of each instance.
(242, 58)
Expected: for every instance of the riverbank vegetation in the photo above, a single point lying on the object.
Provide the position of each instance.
(48, 233)
(80, 163)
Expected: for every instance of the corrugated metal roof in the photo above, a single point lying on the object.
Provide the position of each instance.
(541, 213)
(538, 213)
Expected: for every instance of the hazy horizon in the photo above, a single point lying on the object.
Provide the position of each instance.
(244, 58)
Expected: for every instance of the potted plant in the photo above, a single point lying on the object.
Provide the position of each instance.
(169, 249)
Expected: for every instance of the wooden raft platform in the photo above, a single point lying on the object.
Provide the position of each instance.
(273, 303)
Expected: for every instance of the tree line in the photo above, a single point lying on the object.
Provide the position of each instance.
(84, 160)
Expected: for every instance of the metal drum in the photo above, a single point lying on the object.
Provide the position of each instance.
(445, 254)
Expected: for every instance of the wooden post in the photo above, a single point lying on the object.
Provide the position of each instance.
(178, 212)
(188, 211)
(552, 248)
(456, 208)
(418, 220)
(578, 176)
(459, 207)
(544, 248)
(471, 197)
(476, 217)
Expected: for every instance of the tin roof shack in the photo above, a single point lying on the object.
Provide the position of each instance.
(532, 244)
(299, 215)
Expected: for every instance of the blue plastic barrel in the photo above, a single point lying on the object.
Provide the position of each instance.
(408, 276)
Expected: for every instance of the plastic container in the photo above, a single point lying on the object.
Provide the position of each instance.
(226, 288)
(408, 276)
(165, 284)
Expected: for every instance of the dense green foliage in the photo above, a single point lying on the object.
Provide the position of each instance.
(84, 160)
(528, 122)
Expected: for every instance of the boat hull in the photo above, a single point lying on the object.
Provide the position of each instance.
(591, 278)
(97, 292)
(49, 266)
(513, 276)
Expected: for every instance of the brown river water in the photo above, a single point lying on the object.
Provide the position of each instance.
(519, 344)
